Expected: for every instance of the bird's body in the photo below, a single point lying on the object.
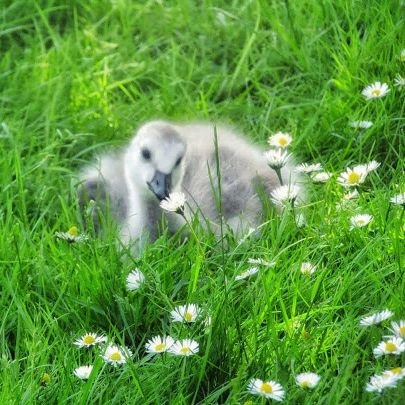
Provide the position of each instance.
(165, 157)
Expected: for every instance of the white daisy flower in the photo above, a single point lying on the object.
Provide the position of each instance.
(247, 273)
(134, 279)
(90, 339)
(185, 313)
(261, 262)
(159, 344)
(398, 199)
(284, 195)
(307, 268)
(307, 380)
(379, 383)
(376, 318)
(308, 168)
(116, 355)
(267, 389)
(394, 345)
(276, 158)
(371, 166)
(174, 203)
(321, 177)
(398, 329)
(351, 195)
(353, 177)
(402, 55)
(185, 347)
(71, 236)
(399, 81)
(375, 90)
(361, 124)
(397, 372)
(360, 220)
(83, 372)
(280, 140)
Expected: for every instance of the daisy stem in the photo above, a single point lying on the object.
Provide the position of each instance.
(278, 172)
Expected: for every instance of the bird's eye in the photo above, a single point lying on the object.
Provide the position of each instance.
(178, 161)
(146, 154)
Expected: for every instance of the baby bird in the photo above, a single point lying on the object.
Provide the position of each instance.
(165, 157)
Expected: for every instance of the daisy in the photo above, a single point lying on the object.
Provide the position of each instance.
(398, 199)
(71, 236)
(308, 168)
(361, 124)
(321, 177)
(397, 372)
(90, 339)
(379, 383)
(83, 372)
(360, 220)
(276, 158)
(174, 203)
(284, 195)
(307, 268)
(307, 380)
(399, 81)
(116, 355)
(247, 273)
(394, 345)
(267, 389)
(376, 318)
(375, 90)
(134, 280)
(185, 313)
(371, 166)
(185, 347)
(398, 329)
(280, 140)
(261, 262)
(159, 344)
(353, 177)
(351, 195)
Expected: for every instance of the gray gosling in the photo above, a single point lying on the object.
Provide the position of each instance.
(165, 157)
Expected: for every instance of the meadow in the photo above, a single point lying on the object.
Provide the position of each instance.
(79, 77)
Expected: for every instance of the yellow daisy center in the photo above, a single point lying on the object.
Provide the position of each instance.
(353, 178)
(88, 340)
(283, 141)
(390, 347)
(160, 346)
(73, 231)
(361, 221)
(305, 384)
(402, 330)
(116, 356)
(188, 316)
(266, 388)
(185, 350)
(396, 370)
(376, 92)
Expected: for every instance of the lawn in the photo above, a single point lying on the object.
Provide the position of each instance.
(78, 78)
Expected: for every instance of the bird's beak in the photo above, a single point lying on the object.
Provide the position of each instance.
(160, 185)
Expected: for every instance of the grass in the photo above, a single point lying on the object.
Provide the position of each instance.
(79, 77)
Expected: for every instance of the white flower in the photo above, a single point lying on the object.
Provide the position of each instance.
(90, 339)
(397, 372)
(300, 220)
(185, 313)
(379, 383)
(353, 177)
(360, 220)
(159, 344)
(116, 355)
(185, 347)
(307, 380)
(375, 90)
(371, 166)
(261, 262)
(267, 389)
(399, 81)
(398, 199)
(351, 195)
(307, 268)
(284, 195)
(247, 273)
(398, 329)
(321, 177)
(72, 235)
(402, 55)
(376, 318)
(308, 168)
(280, 140)
(361, 124)
(134, 279)
(276, 158)
(174, 203)
(394, 345)
(83, 372)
